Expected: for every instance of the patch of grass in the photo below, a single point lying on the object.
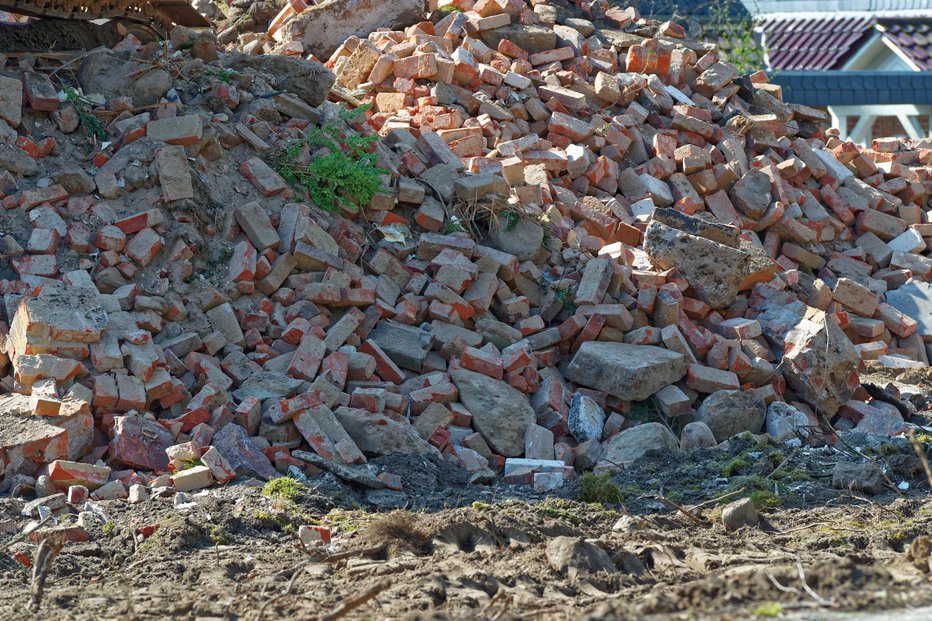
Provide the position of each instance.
(797, 474)
(557, 509)
(450, 8)
(280, 520)
(599, 488)
(764, 499)
(347, 521)
(735, 467)
(110, 528)
(219, 534)
(888, 448)
(481, 506)
(760, 491)
(283, 488)
(768, 609)
(632, 490)
(341, 170)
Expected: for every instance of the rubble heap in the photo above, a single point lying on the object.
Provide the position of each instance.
(586, 221)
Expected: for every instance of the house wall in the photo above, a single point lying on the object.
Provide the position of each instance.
(886, 126)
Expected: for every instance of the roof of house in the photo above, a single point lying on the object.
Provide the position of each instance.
(813, 44)
(846, 88)
(821, 43)
(828, 6)
(912, 36)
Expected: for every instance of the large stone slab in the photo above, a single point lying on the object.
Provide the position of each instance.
(914, 299)
(629, 372)
(377, 434)
(500, 413)
(26, 441)
(714, 271)
(244, 456)
(407, 346)
(631, 444)
(820, 363)
(324, 27)
(730, 412)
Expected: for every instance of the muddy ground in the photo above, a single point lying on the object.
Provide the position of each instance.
(447, 549)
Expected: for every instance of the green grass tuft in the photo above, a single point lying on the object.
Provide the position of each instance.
(735, 467)
(283, 489)
(599, 488)
(768, 609)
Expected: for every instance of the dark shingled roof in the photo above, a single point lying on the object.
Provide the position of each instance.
(809, 44)
(846, 88)
(913, 37)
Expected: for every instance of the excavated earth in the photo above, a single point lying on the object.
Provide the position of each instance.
(448, 549)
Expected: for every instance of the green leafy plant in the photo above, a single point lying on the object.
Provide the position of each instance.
(735, 37)
(564, 296)
(511, 220)
(187, 464)
(449, 8)
(599, 488)
(90, 122)
(454, 227)
(342, 170)
(224, 75)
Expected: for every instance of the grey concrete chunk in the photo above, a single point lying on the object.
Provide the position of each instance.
(629, 372)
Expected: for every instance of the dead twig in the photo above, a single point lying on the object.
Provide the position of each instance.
(74, 60)
(692, 516)
(339, 556)
(776, 583)
(716, 500)
(921, 455)
(807, 588)
(356, 601)
(823, 524)
(42, 565)
(287, 591)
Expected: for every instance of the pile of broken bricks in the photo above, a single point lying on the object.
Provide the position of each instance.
(658, 231)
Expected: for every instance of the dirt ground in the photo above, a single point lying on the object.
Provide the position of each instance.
(447, 549)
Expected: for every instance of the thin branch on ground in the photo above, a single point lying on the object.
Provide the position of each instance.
(356, 601)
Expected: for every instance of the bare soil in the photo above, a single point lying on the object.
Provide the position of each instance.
(455, 550)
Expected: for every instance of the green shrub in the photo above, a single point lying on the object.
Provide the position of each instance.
(345, 176)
